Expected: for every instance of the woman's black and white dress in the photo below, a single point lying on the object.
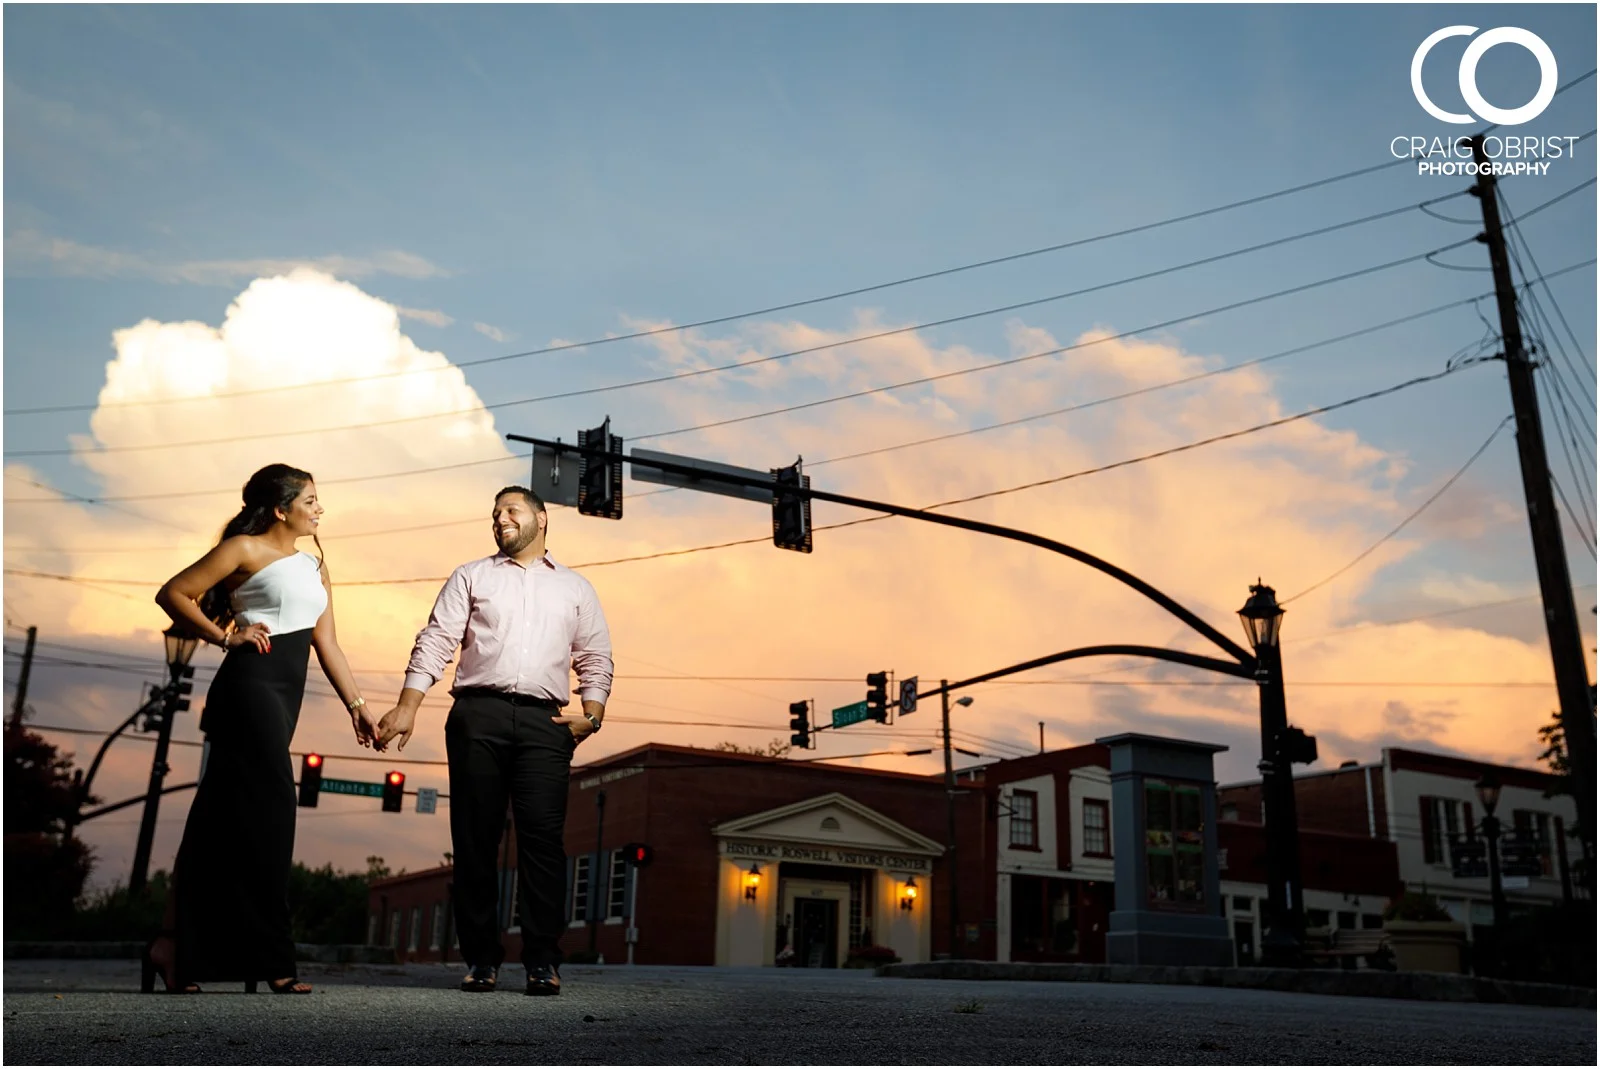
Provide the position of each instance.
(232, 872)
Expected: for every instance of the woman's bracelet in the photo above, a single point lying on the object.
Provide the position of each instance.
(223, 641)
(358, 703)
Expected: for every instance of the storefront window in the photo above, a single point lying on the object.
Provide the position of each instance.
(1174, 843)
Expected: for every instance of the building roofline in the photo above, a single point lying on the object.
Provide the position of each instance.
(639, 756)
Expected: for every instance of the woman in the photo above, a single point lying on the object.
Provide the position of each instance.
(268, 605)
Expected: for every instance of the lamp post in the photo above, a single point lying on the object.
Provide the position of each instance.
(1489, 795)
(965, 701)
(1262, 617)
(180, 649)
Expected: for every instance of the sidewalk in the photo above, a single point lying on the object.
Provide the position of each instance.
(1361, 983)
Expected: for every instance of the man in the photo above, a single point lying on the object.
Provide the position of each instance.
(522, 622)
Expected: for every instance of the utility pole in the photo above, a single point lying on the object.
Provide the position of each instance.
(1041, 736)
(22, 681)
(1549, 552)
(950, 818)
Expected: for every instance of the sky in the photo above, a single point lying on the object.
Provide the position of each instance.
(372, 241)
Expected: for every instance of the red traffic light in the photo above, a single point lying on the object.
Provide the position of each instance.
(394, 789)
(397, 778)
(637, 854)
(314, 760)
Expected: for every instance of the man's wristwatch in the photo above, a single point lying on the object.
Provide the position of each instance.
(594, 721)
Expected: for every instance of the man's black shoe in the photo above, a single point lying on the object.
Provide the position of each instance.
(481, 978)
(543, 980)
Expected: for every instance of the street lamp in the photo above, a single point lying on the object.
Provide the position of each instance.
(1489, 795)
(180, 647)
(1284, 918)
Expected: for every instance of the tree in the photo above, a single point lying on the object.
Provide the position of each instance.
(45, 867)
(1554, 737)
(327, 906)
(775, 748)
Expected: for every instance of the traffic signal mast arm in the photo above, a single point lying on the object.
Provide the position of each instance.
(1244, 662)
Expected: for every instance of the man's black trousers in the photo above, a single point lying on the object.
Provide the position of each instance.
(502, 748)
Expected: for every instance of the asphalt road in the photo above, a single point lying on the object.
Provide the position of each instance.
(89, 1012)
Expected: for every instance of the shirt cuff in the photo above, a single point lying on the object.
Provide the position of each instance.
(593, 694)
(419, 681)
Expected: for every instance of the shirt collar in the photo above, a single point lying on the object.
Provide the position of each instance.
(506, 558)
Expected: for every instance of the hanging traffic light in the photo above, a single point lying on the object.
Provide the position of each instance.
(637, 854)
(599, 479)
(878, 696)
(800, 724)
(394, 791)
(310, 779)
(791, 512)
(1296, 746)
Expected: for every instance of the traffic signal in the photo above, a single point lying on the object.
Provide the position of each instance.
(310, 779)
(600, 480)
(878, 696)
(637, 854)
(1296, 746)
(181, 688)
(791, 512)
(394, 790)
(800, 724)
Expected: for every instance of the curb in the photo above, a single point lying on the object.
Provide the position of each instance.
(1427, 987)
(328, 954)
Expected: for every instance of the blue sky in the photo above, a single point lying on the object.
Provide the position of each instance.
(563, 173)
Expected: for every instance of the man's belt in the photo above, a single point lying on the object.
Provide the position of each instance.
(506, 696)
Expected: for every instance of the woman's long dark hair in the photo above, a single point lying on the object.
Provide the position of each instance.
(273, 487)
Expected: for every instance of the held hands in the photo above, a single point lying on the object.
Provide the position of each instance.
(365, 723)
(397, 723)
(258, 634)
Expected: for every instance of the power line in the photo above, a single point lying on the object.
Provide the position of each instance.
(739, 365)
(789, 306)
(1320, 410)
(1419, 510)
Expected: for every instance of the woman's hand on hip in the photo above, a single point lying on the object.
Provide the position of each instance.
(259, 634)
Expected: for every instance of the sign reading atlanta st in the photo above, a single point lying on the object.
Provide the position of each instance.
(1507, 153)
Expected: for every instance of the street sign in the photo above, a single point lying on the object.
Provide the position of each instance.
(646, 474)
(427, 799)
(908, 695)
(845, 715)
(1469, 858)
(554, 477)
(350, 786)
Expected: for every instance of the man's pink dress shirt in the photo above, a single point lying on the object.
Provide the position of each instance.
(522, 630)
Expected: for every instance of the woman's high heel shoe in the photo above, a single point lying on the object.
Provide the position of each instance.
(149, 970)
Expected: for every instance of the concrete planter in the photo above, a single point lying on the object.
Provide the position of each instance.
(1427, 946)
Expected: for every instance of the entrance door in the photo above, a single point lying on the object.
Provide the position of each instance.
(816, 933)
(1244, 938)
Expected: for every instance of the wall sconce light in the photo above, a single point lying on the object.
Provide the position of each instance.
(908, 893)
(752, 882)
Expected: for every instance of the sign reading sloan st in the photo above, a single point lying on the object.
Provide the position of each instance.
(823, 855)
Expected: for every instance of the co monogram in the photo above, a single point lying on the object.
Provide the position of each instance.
(1503, 35)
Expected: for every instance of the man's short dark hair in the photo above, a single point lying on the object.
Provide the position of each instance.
(534, 501)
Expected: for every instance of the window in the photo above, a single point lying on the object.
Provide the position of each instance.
(1096, 828)
(1372, 920)
(1317, 918)
(1347, 920)
(394, 929)
(1025, 820)
(580, 888)
(1241, 904)
(372, 929)
(416, 928)
(436, 933)
(617, 892)
(1536, 825)
(1230, 811)
(1441, 821)
(1173, 843)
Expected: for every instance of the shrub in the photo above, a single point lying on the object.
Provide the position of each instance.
(870, 957)
(1415, 906)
